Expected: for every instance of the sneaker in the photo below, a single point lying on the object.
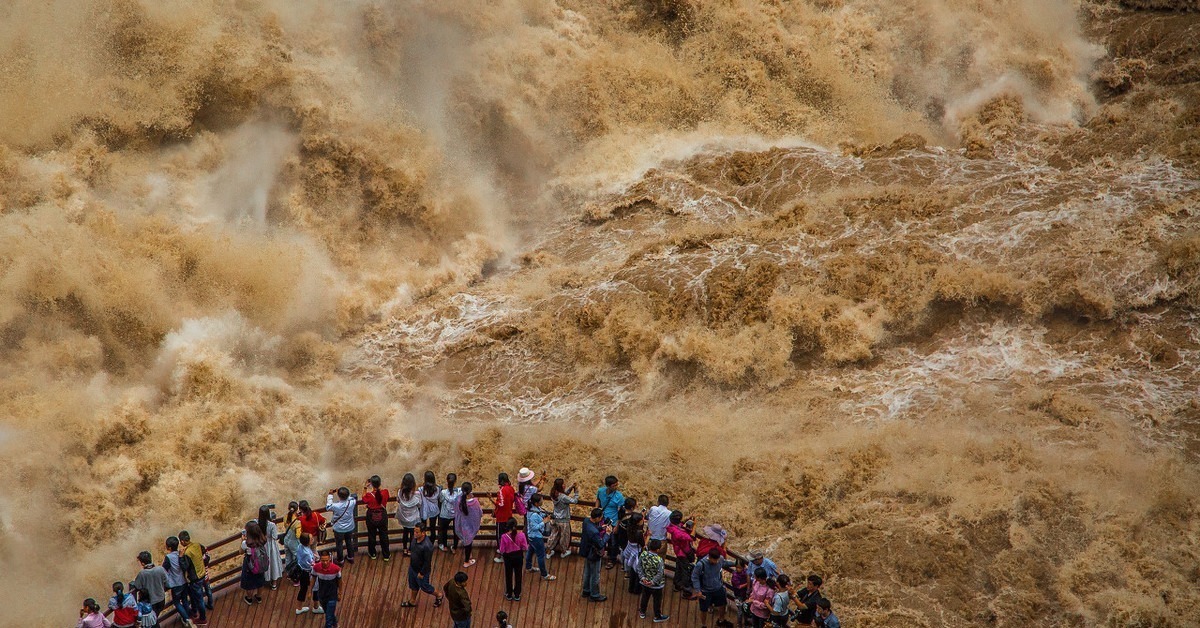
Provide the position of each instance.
(497, 560)
(550, 554)
(442, 547)
(661, 618)
(641, 614)
(248, 600)
(508, 597)
(566, 553)
(372, 556)
(516, 598)
(549, 577)
(387, 559)
(318, 611)
(301, 611)
(600, 598)
(531, 569)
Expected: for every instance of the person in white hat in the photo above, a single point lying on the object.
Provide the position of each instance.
(527, 487)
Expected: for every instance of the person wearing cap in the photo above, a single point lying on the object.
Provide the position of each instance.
(712, 536)
(758, 560)
(526, 486)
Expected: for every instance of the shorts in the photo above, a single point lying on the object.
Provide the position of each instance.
(417, 582)
(713, 599)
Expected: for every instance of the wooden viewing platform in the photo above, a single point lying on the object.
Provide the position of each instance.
(372, 590)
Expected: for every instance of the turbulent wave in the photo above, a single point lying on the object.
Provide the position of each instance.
(904, 292)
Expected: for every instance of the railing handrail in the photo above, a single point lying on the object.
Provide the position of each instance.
(487, 533)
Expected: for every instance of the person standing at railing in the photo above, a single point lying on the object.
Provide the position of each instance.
(191, 556)
(503, 505)
(825, 614)
(408, 512)
(651, 569)
(311, 522)
(345, 526)
(254, 563)
(808, 598)
(685, 553)
(536, 529)
(707, 580)
(467, 522)
(712, 536)
(176, 580)
(526, 486)
(591, 548)
(266, 521)
(560, 520)
(91, 617)
(448, 500)
(291, 539)
(782, 601)
(152, 581)
(659, 518)
(634, 533)
(305, 560)
(757, 560)
(762, 592)
(376, 500)
(610, 500)
(431, 495)
(123, 606)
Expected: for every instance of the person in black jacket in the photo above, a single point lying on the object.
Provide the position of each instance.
(591, 548)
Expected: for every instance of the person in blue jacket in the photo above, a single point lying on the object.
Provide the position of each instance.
(591, 548)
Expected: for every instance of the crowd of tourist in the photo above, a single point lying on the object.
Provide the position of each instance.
(532, 526)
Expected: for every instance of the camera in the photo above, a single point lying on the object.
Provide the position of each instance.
(271, 506)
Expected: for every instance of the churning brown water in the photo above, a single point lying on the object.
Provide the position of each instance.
(906, 293)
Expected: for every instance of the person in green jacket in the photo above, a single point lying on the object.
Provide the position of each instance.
(460, 601)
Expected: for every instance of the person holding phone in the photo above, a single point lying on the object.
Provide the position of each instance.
(376, 499)
(91, 617)
(345, 526)
(562, 497)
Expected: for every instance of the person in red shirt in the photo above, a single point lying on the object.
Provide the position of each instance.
(376, 500)
(310, 522)
(685, 552)
(503, 505)
(712, 537)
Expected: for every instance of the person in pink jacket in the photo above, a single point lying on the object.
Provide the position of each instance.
(91, 617)
(513, 545)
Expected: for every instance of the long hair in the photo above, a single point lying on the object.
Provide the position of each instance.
(255, 537)
(466, 494)
(264, 517)
(430, 487)
(291, 515)
(451, 480)
(560, 486)
(407, 485)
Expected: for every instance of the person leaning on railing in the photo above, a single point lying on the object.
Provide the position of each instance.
(560, 520)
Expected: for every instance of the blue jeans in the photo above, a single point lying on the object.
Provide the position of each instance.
(330, 607)
(461, 623)
(195, 597)
(591, 578)
(179, 597)
(537, 547)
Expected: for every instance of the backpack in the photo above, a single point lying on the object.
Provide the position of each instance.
(547, 526)
(258, 560)
(188, 568)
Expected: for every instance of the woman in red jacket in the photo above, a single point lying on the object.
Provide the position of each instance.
(503, 505)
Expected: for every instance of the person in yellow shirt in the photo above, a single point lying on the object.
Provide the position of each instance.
(197, 578)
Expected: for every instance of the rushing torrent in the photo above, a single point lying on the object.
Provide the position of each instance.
(905, 293)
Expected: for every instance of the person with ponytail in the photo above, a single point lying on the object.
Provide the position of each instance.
(123, 606)
(254, 562)
(291, 537)
(466, 524)
(409, 511)
(91, 617)
(512, 547)
(449, 499)
(376, 500)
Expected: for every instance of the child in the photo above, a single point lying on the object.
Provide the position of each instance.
(329, 579)
(740, 580)
(147, 616)
(502, 620)
(123, 606)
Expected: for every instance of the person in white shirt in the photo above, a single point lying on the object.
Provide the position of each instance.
(449, 509)
(345, 527)
(659, 518)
